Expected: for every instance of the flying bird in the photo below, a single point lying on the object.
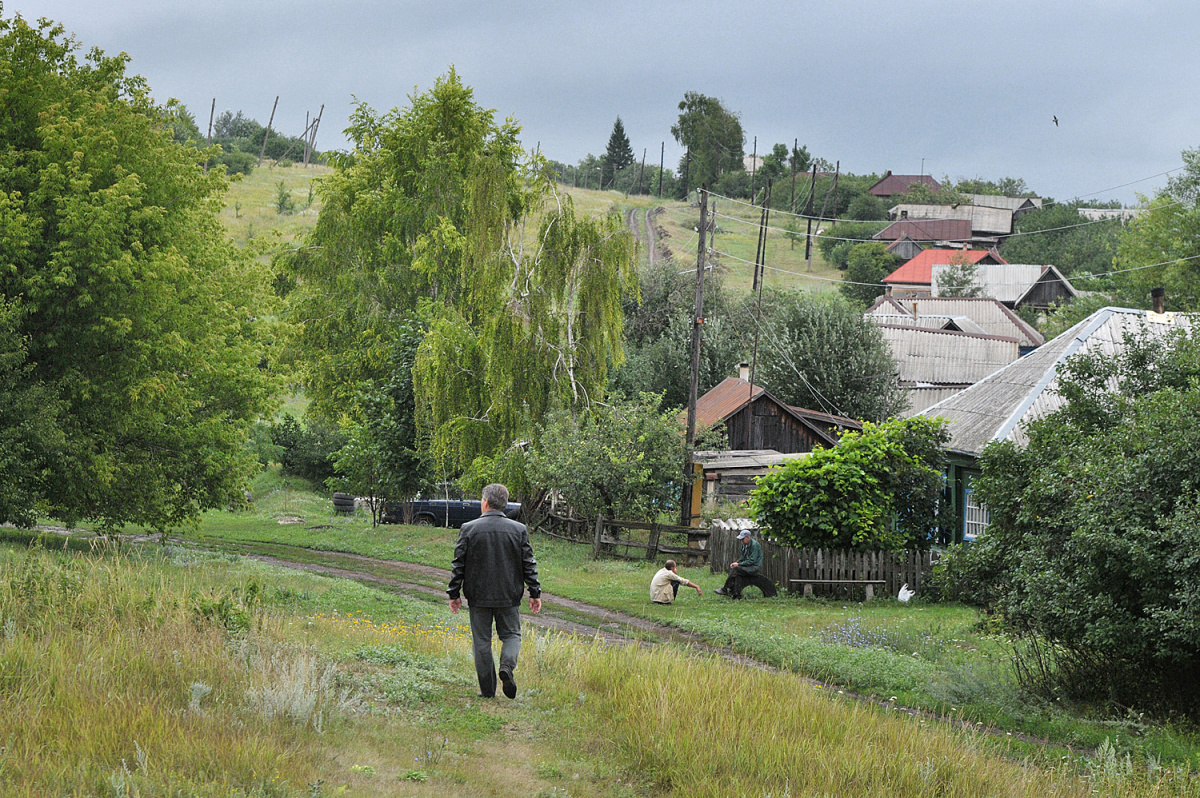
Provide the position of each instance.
(1056, 121)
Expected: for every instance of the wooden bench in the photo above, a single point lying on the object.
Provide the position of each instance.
(869, 584)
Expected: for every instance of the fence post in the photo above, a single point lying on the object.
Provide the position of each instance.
(652, 546)
(596, 537)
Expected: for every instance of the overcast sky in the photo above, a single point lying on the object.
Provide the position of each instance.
(962, 88)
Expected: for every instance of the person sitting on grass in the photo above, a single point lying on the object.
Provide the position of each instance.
(748, 563)
(664, 587)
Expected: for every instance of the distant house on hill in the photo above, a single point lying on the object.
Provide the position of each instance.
(927, 230)
(965, 314)
(891, 185)
(991, 223)
(1003, 405)
(905, 248)
(915, 276)
(1018, 205)
(1017, 285)
(934, 363)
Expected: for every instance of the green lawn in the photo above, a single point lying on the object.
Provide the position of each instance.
(938, 657)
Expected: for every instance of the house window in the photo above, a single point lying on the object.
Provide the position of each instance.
(975, 515)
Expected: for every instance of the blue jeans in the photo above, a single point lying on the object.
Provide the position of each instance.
(508, 629)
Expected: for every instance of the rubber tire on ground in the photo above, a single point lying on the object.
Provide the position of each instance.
(424, 520)
(343, 502)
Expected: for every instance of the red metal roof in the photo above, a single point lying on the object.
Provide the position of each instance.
(725, 399)
(919, 270)
(927, 230)
(892, 184)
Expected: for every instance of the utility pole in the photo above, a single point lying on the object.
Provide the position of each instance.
(211, 111)
(267, 132)
(812, 190)
(685, 504)
(312, 136)
(661, 155)
(753, 169)
(837, 172)
(792, 202)
(641, 171)
(760, 274)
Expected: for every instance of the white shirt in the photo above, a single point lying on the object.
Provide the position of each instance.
(660, 586)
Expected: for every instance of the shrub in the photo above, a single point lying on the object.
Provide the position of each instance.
(307, 452)
(878, 489)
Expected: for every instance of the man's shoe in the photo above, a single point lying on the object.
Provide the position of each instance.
(510, 686)
(481, 695)
(721, 591)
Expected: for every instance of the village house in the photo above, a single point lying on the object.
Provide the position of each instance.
(891, 185)
(965, 314)
(1017, 285)
(1003, 405)
(914, 278)
(991, 224)
(1018, 205)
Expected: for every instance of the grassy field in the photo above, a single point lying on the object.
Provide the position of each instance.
(166, 671)
(252, 203)
(935, 657)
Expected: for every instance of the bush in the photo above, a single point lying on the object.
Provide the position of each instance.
(878, 489)
(1092, 552)
(307, 452)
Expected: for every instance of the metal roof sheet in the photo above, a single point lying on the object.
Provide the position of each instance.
(927, 230)
(891, 184)
(992, 221)
(990, 314)
(1008, 203)
(1002, 405)
(1007, 282)
(919, 270)
(947, 357)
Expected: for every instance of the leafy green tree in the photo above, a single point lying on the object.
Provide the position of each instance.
(879, 489)
(1092, 548)
(866, 266)
(960, 279)
(867, 207)
(621, 459)
(713, 138)
(818, 352)
(1057, 235)
(127, 313)
(833, 241)
(425, 217)
(1166, 237)
(617, 157)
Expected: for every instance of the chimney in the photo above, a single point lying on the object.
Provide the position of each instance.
(744, 372)
(1159, 295)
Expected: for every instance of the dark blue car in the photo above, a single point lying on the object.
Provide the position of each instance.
(446, 507)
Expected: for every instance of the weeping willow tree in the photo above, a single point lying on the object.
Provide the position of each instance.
(427, 217)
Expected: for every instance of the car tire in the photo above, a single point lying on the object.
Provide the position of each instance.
(424, 520)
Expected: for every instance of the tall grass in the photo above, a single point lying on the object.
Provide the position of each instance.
(699, 726)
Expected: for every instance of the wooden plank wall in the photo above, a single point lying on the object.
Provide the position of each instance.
(782, 563)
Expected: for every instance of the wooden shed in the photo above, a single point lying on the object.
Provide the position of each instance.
(756, 420)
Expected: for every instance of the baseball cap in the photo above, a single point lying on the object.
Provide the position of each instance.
(745, 533)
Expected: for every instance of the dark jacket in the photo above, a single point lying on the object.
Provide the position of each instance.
(751, 556)
(493, 562)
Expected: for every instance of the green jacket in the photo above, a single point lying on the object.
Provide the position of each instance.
(750, 559)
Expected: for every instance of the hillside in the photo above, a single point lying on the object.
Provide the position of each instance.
(251, 212)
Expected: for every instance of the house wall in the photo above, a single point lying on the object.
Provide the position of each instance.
(1045, 293)
(764, 425)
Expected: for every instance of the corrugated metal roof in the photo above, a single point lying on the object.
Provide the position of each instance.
(892, 184)
(992, 221)
(1002, 405)
(725, 399)
(931, 321)
(922, 397)
(990, 314)
(1008, 203)
(1007, 282)
(919, 270)
(946, 357)
(927, 230)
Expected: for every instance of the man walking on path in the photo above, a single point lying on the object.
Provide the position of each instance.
(748, 563)
(493, 562)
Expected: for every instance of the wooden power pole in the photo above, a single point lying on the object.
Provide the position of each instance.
(267, 132)
(661, 154)
(211, 111)
(685, 508)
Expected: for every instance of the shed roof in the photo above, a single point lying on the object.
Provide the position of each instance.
(919, 270)
(891, 184)
(947, 357)
(1008, 282)
(1002, 405)
(927, 230)
(991, 221)
(990, 314)
(929, 321)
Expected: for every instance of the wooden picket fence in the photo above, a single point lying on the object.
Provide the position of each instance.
(785, 565)
(631, 540)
